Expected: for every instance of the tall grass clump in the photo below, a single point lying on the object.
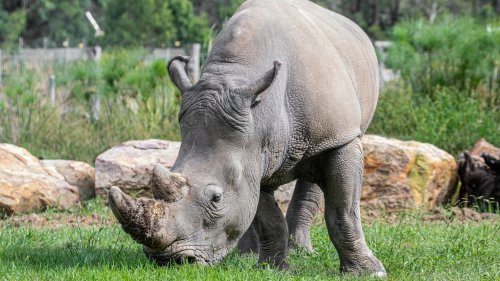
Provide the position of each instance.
(449, 120)
(137, 101)
(453, 52)
(448, 93)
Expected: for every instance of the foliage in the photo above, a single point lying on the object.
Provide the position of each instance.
(131, 23)
(126, 23)
(218, 11)
(450, 120)
(378, 17)
(190, 28)
(137, 102)
(409, 249)
(452, 52)
(11, 26)
(55, 20)
(154, 23)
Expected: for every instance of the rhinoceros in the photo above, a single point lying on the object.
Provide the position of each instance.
(286, 93)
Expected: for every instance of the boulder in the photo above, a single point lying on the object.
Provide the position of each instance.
(398, 174)
(26, 185)
(406, 174)
(79, 174)
(129, 165)
(483, 146)
(284, 195)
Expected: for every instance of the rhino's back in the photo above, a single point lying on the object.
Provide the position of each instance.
(331, 68)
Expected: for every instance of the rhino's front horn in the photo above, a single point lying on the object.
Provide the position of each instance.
(122, 205)
(139, 217)
(168, 186)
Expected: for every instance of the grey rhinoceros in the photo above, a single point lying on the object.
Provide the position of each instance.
(286, 93)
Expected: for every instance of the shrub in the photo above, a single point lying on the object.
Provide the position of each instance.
(452, 52)
(138, 101)
(449, 120)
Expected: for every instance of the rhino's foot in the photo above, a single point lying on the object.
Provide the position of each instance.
(280, 264)
(342, 179)
(301, 240)
(300, 214)
(363, 264)
(272, 231)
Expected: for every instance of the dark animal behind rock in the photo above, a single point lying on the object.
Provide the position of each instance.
(480, 177)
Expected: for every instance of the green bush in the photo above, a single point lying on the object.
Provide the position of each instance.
(47, 132)
(138, 101)
(449, 120)
(153, 23)
(452, 52)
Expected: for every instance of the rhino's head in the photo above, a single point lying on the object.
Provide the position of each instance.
(208, 200)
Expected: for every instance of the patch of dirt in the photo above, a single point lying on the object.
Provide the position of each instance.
(437, 215)
(56, 221)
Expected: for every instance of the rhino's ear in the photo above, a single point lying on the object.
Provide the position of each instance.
(257, 89)
(177, 69)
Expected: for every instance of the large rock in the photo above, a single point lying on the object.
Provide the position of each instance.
(129, 165)
(483, 146)
(406, 174)
(26, 185)
(79, 174)
(398, 174)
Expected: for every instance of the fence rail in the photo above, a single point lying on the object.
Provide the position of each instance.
(44, 59)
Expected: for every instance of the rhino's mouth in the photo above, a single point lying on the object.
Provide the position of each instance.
(179, 257)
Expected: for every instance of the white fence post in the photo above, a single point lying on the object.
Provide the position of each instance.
(95, 99)
(167, 55)
(95, 107)
(52, 89)
(194, 64)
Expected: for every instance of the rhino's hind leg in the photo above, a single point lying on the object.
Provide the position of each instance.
(272, 231)
(300, 214)
(342, 178)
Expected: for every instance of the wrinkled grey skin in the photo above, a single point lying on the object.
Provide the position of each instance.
(302, 209)
(286, 93)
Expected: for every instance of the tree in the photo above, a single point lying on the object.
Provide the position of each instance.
(152, 23)
(135, 23)
(52, 21)
(190, 28)
(218, 11)
(11, 26)
(377, 17)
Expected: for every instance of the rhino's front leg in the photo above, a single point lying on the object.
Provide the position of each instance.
(341, 182)
(273, 231)
(250, 242)
(300, 214)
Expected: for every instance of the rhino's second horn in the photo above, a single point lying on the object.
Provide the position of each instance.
(168, 186)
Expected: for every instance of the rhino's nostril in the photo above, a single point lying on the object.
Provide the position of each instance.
(190, 259)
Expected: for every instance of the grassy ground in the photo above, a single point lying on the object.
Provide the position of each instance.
(409, 249)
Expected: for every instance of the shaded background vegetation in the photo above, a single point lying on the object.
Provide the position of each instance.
(447, 55)
(158, 23)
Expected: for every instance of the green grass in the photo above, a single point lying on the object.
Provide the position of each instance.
(409, 249)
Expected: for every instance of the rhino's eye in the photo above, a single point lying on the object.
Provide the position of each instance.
(216, 198)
